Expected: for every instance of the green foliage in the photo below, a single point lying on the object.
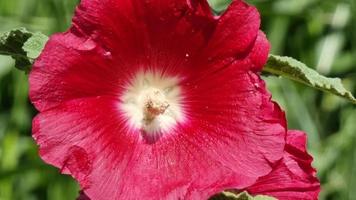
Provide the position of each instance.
(240, 196)
(23, 46)
(297, 71)
(11, 44)
(34, 45)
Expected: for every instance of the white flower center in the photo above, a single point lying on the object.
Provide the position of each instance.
(155, 104)
(152, 102)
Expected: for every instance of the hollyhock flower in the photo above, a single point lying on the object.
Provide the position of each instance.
(157, 99)
(293, 178)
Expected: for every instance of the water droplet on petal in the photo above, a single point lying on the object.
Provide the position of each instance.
(88, 45)
(256, 85)
(107, 54)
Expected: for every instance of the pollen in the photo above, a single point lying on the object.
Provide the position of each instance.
(152, 102)
(155, 105)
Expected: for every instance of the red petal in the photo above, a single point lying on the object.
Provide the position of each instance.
(235, 32)
(130, 28)
(293, 178)
(169, 27)
(259, 53)
(71, 68)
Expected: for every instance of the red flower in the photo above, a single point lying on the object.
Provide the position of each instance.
(293, 178)
(158, 99)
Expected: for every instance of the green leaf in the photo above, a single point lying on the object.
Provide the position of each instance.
(34, 45)
(292, 69)
(11, 44)
(264, 197)
(241, 196)
(23, 46)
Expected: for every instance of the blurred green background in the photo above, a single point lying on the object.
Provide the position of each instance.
(321, 33)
